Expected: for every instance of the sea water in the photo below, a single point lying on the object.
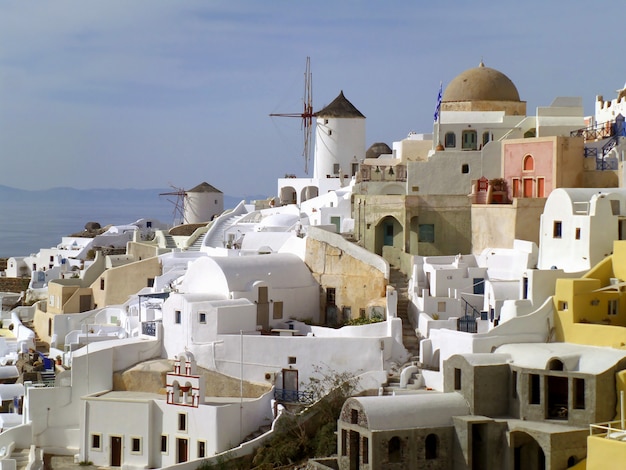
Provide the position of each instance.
(27, 226)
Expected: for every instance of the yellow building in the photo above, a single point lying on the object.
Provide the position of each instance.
(592, 309)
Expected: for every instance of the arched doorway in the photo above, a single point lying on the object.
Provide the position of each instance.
(389, 232)
(308, 192)
(527, 453)
(288, 195)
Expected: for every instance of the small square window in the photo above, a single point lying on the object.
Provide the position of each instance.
(578, 394)
(150, 282)
(426, 233)
(354, 416)
(291, 360)
(450, 139)
(465, 168)
(202, 317)
(534, 389)
(96, 441)
(135, 445)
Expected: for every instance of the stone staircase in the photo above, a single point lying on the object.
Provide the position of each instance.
(259, 432)
(169, 241)
(197, 244)
(393, 385)
(21, 457)
(409, 338)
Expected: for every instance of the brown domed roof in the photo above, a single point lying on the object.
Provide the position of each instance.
(377, 149)
(481, 84)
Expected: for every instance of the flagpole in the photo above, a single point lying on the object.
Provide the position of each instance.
(438, 113)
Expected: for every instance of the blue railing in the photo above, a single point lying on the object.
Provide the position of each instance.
(293, 396)
(149, 328)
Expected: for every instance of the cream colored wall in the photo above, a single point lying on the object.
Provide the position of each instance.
(511, 108)
(73, 303)
(442, 173)
(569, 164)
(139, 250)
(123, 281)
(601, 179)
(450, 214)
(40, 323)
(412, 149)
(59, 291)
(498, 225)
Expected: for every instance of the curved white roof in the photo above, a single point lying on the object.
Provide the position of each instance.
(570, 196)
(222, 275)
(421, 410)
(8, 372)
(8, 391)
(279, 220)
(490, 359)
(575, 357)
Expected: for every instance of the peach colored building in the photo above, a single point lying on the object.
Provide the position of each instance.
(534, 167)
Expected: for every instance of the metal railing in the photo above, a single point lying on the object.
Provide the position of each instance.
(149, 328)
(293, 396)
(610, 430)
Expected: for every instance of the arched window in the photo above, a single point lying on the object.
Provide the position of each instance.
(394, 450)
(469, 140)
(555, 364)
(529, 163)
(450, 139)
(486, 138)
(431, 445)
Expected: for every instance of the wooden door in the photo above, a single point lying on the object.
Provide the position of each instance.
(116, 451)
(182, 450)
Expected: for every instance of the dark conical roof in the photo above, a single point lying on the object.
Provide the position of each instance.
(340, 108)
(204, 188)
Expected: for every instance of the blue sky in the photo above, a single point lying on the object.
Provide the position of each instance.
(153, 93)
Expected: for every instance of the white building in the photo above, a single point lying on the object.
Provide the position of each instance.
(164, 430)
(339, 147)
(202, 203)
(578, 227)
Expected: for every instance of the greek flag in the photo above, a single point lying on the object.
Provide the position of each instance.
(438, 108)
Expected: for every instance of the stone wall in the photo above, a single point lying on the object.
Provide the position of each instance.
(13, 284)
(359, 278)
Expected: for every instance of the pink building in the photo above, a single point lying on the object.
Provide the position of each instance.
(532, 168)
